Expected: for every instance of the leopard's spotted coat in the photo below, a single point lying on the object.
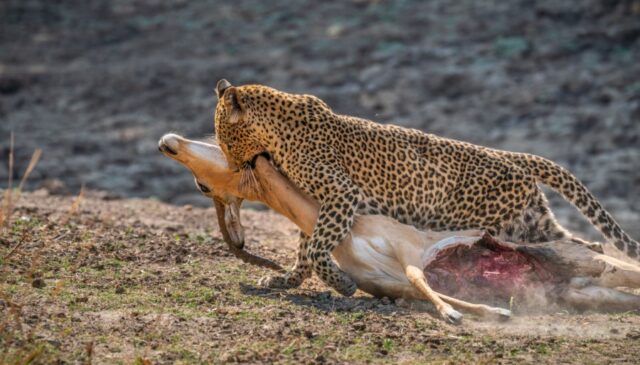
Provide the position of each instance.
(355, 166)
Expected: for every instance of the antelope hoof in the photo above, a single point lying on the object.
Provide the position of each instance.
(502, 314)
(452, 316)
(595, 246)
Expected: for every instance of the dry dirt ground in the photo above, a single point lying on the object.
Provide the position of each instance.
(140, 281)
(96, 83)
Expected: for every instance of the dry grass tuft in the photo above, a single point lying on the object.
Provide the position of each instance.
(6, 210)
(35, 157)
(75, 206)
(10, 197)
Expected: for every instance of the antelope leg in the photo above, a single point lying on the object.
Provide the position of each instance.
(419, 281)
(599, 298)
(477, 309)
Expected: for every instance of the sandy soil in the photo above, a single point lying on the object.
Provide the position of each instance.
(129, 281)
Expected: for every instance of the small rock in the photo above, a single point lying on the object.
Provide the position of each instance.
(32, 319)
(634, 335)
(38, 283)
(54, 186)
(54, 343)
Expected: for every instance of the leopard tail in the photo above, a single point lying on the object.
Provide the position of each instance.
(562, 181)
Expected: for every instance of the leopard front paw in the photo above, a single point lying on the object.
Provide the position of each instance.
(276, 282)
(346, 286)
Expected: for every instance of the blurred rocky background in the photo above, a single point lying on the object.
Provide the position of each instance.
(96, 83)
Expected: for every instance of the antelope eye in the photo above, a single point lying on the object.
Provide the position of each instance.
(202, 187)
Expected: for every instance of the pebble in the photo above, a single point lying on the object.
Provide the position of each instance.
(38, 283)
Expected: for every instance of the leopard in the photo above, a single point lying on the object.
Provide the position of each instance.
(353, 166)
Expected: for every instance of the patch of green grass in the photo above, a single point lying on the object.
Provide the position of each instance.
(198, 237)
(114, 263)
(139, 361)
(137, 299)
(543, 349)
(320, 341)
(546, 348)
(619, 317)
(195, 297)
(346, 318)
(188, 356)
(388, 344)
(419, 348)
(249, 315)
(11, 289)
(253, 300)
(31, 224)
(358, 352)
(363, 349)
(290, 349)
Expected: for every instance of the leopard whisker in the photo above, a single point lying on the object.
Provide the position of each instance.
(249, 182)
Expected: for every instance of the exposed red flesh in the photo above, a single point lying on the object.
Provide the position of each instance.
(489, 272)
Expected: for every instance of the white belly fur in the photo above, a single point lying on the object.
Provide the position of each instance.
(370, 261)
(370, 256)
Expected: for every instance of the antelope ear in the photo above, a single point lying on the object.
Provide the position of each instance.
(221, 86)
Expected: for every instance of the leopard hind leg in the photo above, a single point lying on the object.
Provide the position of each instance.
(537, 223)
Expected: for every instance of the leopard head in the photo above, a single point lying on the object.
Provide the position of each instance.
(251, 120)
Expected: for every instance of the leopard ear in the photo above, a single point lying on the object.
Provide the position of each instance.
(232, 104)
(221, 86)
